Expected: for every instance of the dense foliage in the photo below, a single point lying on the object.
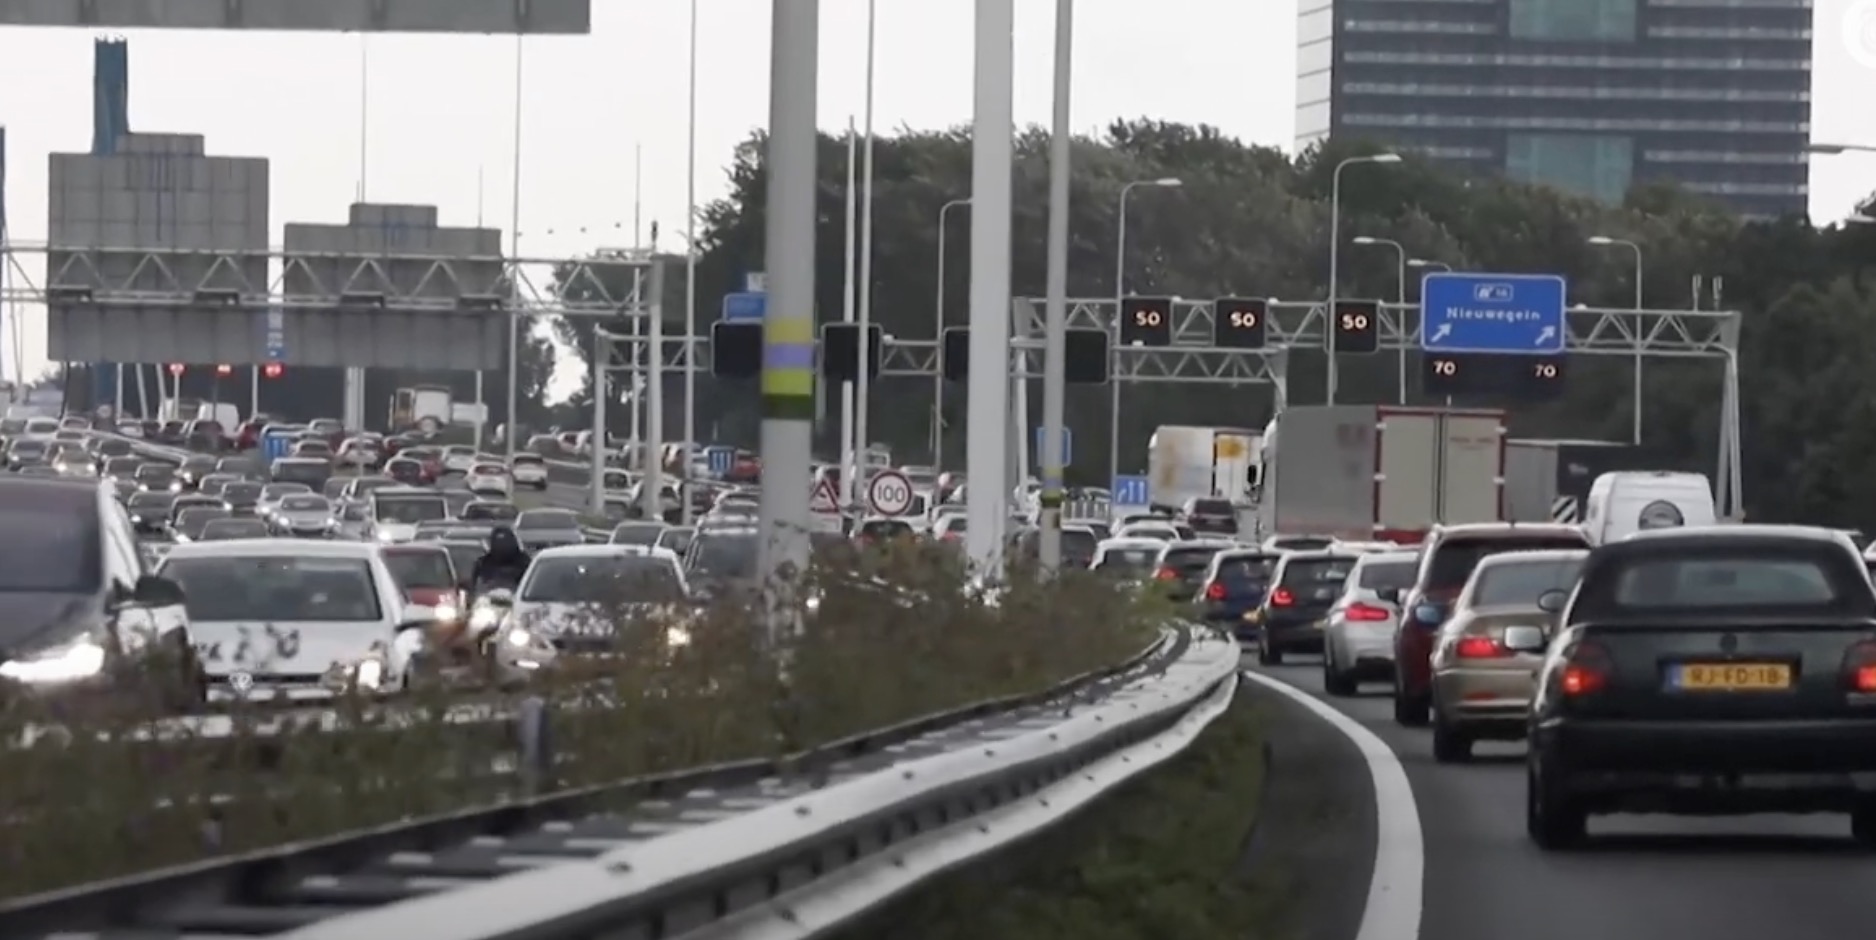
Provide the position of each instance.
(1249, 220)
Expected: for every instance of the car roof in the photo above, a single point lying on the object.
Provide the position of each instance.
(1125, 542)
(1391, 556)
(1219, 544)
(1739, 531)
(1544, 556)
(1469, 529)
(276, 547)
(607, 551)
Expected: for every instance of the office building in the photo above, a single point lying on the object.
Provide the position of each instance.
(1591, 96)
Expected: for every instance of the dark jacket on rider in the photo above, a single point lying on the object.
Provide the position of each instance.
(502, 566)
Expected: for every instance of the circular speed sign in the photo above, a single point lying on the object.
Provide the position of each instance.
(889, 494)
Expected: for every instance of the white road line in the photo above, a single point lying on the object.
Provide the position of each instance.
(1397, 889)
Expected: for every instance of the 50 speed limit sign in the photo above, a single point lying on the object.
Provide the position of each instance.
(889, 494)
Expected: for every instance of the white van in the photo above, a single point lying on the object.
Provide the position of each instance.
(1629, 501)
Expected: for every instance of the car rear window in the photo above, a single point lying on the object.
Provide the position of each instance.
(1316, 571)
(1721, 581)
(1128, 560)
(1211, 507)
(420, 568)
(1522, 582)
(1454, 560)
(1253, 569)
(1389, 575)
(1190, 560)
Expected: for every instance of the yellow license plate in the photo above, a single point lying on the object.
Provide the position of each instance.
(1732, 677)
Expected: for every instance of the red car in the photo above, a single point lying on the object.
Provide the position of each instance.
(426, 574)
(1447, 560)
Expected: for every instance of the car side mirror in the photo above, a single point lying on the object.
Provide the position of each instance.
(1429, 615)
(1525, 639)
(417, 617)
(156, 591)
(1552, 601)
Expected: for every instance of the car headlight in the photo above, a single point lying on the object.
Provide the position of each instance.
(175, 486)
(79, 660)
(445, 612)
(368, 675)
(813, 603)
(384, 536)
(485, 617)
(677, 636)
(519, 638)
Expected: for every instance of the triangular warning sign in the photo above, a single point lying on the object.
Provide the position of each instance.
(822, 499)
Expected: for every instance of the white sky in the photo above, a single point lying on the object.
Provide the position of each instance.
(440, 108)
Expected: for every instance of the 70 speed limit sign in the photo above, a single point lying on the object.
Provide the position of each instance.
(889, 494)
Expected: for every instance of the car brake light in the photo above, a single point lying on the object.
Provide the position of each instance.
(1586, 670)
(1215, 591)
(1282, 597)
(1859, 667)
(1166, 574)
(1366, 613)
(1479, 647)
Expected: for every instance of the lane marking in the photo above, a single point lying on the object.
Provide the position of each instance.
(1396, 890)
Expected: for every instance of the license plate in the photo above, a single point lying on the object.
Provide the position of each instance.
(1731, 677)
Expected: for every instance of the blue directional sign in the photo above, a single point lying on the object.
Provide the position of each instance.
(1042, 444)
(1130, 491)
(1492, 313)
(276, 339)
(721, 459)
(275, 446)
(745, 305)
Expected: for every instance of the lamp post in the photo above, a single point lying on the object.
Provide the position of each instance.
(1335, 248)
(938, 333)
(1120, 290)
(1400, 302)
(1604, 241)
(1423, 264)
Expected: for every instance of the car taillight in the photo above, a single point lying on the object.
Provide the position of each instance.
(1282, 597)
(1859, 667)
(1479, 647)
(1586, 670)
(1215, 591)
(1166, 574)
(1366, 613)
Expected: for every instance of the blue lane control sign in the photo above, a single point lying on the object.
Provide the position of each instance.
(1130, 491)
(1042, 443)
(275, 446)
(1492, 313)
(744, 306)
(276, 339)
(721, 460)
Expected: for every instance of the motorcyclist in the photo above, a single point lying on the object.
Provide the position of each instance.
(501, 567)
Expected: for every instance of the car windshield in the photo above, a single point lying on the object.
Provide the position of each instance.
(491, 512)
(420, 568)
(1128, 561)
(1720, 581)
(1246, 569)
(602, 580)
(410, 510)
(1381, 576)
(55, 550)
(1521, 582)
(1455, 560)
(722, 555)
(218, 529)
(305, 503)
(155, 473)
(28, 448)
(550, 519)
(1191, 561)
(275, 588)
(241, 492)
(637, 533)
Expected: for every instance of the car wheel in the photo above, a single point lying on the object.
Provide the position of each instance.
(1410, 711)
(1552, 820)
(1268, 655)
(1450, 745)
(1334, 681)
(1863, 823)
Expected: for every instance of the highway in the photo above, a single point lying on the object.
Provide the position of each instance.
(1641, 878)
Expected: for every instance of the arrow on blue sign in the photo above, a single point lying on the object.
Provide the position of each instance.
(1492, 313)
(1042, 444)
(745, 305)
(1130, 491)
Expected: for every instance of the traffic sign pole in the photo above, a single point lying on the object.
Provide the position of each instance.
(1055, 321)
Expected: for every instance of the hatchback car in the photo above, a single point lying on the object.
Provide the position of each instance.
(1303, 589)
(1358, 641)
(1234, 587)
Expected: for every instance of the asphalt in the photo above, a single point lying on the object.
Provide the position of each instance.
(1641, 878)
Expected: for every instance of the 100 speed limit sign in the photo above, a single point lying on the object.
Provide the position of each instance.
(889, 494)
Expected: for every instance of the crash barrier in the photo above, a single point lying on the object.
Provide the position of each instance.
(771, 846)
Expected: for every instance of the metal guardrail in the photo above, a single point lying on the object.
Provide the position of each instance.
(670, 853)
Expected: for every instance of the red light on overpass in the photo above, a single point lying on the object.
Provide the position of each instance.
(273, 370)
(175, 368)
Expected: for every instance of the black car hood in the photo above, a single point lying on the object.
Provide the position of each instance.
(33, 619)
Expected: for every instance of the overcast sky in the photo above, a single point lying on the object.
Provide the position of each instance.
(440, 109)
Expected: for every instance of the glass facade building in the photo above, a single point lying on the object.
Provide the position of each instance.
(1590, 96)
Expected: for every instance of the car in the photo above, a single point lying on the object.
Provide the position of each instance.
(548, 528)
(1358, 639)
(25, 452)
(528, 470)
(488, 479)
(458, 458)
(243, 498)
(1232, 590)
(149, 512)
(296, 620)
(1303, 588)
(1210, 516)
(1181, 566)
(1159, 529)
(273, 493)
(395, 512)
(722, 561)
(489, 510)
(1705, 671)
(159, 478)
(301, 514)
(221, 530)
(574, 598)
(1131, 560)
(1481, 688)
(407, 471)
(636, 533)
(1447, 558)
(78, 605)
(189, 523)
(427, 575)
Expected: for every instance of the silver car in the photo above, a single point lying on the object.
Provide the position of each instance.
(301, 514)
(1358, 637)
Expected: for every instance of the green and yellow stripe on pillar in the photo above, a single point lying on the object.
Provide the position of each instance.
(788, 366)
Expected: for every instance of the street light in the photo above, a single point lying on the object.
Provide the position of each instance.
(1335, 245)
(1604, 241)
(1423, 264)
(938, 333)
(1120, 290)
(1400, 301)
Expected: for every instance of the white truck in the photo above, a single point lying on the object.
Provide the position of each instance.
(427, 408)
(1186, 462)
(1381, 472)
